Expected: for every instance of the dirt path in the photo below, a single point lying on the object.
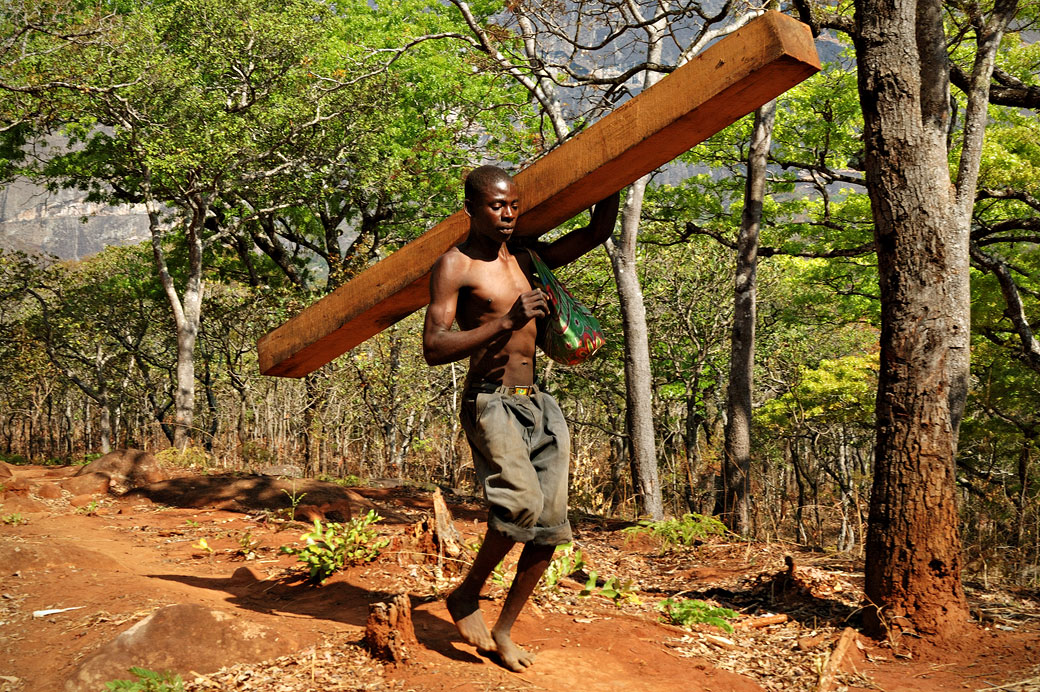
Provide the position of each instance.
(127, 559)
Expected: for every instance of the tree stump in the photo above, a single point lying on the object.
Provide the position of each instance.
(389, 629)
(448, 538)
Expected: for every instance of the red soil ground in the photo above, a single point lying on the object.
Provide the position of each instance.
(121, 560)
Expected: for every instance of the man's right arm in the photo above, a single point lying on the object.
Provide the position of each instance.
(442, 345)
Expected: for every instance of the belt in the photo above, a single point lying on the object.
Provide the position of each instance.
(492, 387)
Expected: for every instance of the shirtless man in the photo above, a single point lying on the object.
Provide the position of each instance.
(519, 438)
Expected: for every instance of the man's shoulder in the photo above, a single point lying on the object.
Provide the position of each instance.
(452, 268)
(452, 260)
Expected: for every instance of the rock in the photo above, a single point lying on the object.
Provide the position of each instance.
(61, 472)
(82, 500)
(87, 484)
(286, 470)
(16, 504)
(338, 510)
(5, 470)
(313, 499)
(17, 485)
(131, 468)
(48, 491)
(245, 576)
(180, 639)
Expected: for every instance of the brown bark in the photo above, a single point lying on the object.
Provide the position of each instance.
(638, 378)
(737, 463)
(913, 545)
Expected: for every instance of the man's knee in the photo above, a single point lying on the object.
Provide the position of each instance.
(528, 508)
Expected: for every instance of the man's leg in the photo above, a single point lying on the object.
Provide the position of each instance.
(529, 569)
(464, 601)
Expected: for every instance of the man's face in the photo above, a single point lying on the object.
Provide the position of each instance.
(493, 214)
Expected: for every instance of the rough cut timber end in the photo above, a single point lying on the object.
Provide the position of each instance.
(728, 80)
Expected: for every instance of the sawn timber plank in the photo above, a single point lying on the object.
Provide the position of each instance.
(725, 82)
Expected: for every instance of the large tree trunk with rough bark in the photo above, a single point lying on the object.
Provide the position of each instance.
(736, 468)
(913, 545)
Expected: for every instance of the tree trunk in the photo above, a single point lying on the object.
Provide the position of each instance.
(638, 379)
(736, 468)
(187, 310)
(913, 546)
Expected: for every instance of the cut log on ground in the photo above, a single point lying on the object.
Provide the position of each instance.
(764, 621)
(829, 674)
(728, 80)
(389, 629)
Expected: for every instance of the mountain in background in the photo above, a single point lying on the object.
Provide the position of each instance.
(63, 224)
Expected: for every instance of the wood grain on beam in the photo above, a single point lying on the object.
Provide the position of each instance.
(725, 82)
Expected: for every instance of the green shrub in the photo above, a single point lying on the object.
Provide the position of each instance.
(565, 562)
(689, 611)
(613, 588)
(683, 531)
(147, 681)
(331, 547)
(348, 481)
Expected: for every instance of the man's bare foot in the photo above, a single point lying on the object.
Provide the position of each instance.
(513, 657)
(470, 623)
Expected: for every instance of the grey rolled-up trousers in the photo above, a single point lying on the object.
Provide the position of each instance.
(521, 453)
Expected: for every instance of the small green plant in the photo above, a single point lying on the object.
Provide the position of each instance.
(565, 562)
(203, 545)
(683, 531)
(331, 547)
(192, 524)
(147, 681)
(686, 612)
(14, 519)
(295, 498)
(247, 545)
(90, 509)
(613, 588)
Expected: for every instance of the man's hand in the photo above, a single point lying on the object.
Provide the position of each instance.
(528, 306)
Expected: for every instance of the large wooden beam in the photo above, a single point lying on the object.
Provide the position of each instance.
(726, 81)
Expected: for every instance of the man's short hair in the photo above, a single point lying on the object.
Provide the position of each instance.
(480, 179)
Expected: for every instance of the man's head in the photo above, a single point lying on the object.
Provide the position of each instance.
(492, 203)
(482, 179)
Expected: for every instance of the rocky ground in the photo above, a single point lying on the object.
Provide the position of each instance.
(186, 574)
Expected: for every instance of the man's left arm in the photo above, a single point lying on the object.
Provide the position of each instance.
(576, 243)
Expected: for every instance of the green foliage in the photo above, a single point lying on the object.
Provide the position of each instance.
(348, 481)
(682, 531)
(90, 509)
(147, 681)
(329, 548)
(289, 513)
(566, 561)
(685, 612)
(614, 588)
(203, 545)
(13, 519)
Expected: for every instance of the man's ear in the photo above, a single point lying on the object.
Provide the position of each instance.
(465, 207)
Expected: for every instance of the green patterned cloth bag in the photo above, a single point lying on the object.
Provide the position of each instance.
(571, 334)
